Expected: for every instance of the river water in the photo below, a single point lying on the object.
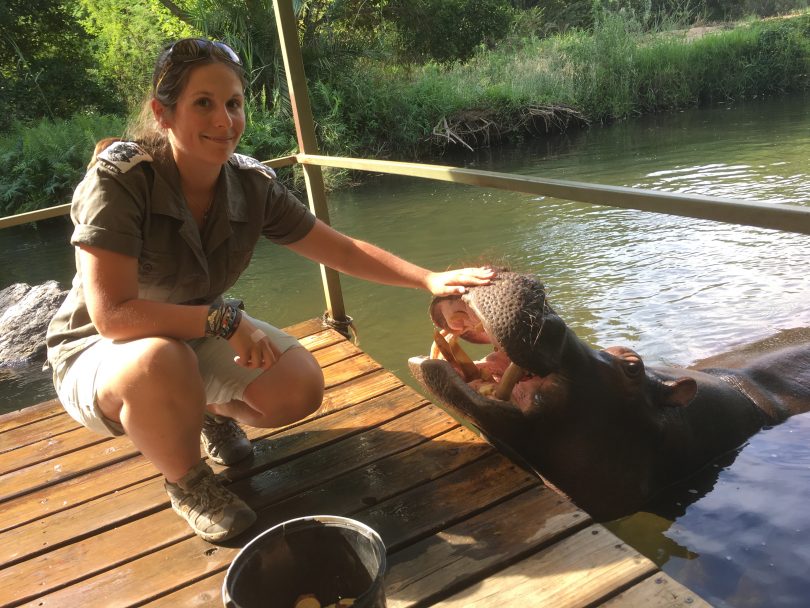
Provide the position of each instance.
(674, 289)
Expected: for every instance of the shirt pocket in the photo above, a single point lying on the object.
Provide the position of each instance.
(157, 275)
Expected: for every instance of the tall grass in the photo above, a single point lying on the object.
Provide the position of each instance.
(613, 72)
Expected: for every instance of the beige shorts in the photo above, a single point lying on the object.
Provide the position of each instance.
(77, 389)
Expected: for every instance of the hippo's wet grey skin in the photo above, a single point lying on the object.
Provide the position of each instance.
(597, 424)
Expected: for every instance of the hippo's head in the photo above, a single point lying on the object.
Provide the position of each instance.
(589, 422)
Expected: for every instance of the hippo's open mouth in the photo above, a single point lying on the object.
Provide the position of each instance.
(493, 377)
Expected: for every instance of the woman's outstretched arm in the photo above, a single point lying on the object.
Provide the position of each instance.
(357, 258)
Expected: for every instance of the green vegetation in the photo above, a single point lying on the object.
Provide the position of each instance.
(388, 78)
(42, 164)
(614, 71)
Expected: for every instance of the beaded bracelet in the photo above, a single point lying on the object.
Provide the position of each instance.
(222, 320)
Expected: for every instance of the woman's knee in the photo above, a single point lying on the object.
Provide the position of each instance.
(166, 359)
(149, 379)
(304, 383)
(150, 365)
(295, 384)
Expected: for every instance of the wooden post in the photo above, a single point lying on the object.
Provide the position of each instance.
(307, 144)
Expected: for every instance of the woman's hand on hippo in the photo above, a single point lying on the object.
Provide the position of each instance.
(454, 282)
(252, 346)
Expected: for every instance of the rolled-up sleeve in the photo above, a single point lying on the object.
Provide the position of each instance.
(286, 218)
(107, 215)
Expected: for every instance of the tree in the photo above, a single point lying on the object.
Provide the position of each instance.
(127, 38)
(448, 30)
(46, 64)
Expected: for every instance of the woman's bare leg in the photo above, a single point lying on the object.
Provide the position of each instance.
(153, 388)
(290, 390)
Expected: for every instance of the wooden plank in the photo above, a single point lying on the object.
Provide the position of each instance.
(40, 423)
(66, 466)
(335, 353)
(27, 415)
(309, 327)
(433, 507)
(205, 593)
(358, 390)
(38, 430)
(658, 591)
(159, 529)
(343, 371)
(463, 554)
(321, 339)
(73, 525)
(579, 571)
(48, 448)
(369, 486)
(80, 489)
(98, 514)
(164, 571)
(276, 484)
(73, 492)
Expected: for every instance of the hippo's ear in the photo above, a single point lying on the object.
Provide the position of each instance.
(680, 392)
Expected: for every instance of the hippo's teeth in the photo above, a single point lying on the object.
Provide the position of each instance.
(511, 377)
(455, 355)
(435, 353)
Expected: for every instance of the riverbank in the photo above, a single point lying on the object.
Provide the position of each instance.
(525, 88)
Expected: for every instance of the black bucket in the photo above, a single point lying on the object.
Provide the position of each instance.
(325, 556)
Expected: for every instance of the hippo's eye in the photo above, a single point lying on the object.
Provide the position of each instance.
(633, 366)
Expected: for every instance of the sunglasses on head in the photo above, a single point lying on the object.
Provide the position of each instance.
(194, 49)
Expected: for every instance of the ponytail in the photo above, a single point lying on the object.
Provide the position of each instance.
(102, 145)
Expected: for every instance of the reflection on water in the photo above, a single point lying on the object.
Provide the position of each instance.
(742, 535)
(676, 290)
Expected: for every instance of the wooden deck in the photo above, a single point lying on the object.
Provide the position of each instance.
(84, 520)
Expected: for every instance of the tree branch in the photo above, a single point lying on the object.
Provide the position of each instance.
(177, 11)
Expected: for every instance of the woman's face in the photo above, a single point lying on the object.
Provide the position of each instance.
(209, 117)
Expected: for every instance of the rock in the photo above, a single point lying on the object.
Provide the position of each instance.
(25, 312)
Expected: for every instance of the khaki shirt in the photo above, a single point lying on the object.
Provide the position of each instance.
(132, 204)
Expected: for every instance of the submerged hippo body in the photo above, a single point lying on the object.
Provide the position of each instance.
(597, 424)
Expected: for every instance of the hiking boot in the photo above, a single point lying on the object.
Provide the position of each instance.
(224, 440)
(213, 512)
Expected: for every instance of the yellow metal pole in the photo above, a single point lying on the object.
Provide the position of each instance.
(305, 129)
(784, 217)
(34, 216)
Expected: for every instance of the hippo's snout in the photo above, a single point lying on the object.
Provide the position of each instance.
(509, 314)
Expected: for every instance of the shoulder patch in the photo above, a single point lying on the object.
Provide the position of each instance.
(248, 162)
(121, 156)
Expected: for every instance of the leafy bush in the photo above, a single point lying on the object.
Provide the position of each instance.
(448, 30)
(43, 164)
(46, 65)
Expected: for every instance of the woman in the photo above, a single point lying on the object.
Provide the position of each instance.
(164, 225)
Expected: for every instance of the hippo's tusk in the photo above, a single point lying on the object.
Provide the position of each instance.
(455, 355)
(511, 377)
(468, 366)
(435, 352)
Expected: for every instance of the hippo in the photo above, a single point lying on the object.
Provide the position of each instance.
(600, 426)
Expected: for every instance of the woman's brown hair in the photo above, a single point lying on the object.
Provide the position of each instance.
(169, 77)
